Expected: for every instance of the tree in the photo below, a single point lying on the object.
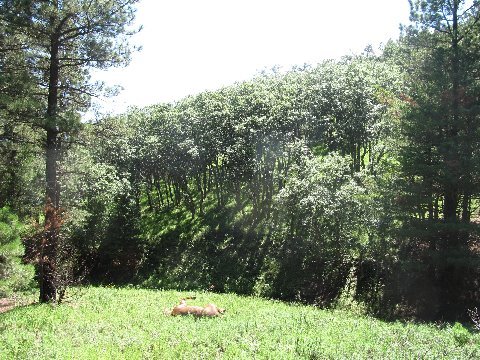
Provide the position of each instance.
(449, 87)
(350, 99)
(62, 41)
(322, 213)
(15, 138)
(440, 156)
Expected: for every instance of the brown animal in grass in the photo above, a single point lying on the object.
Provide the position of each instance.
(208, 310)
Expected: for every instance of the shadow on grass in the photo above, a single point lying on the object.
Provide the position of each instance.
(219, 250)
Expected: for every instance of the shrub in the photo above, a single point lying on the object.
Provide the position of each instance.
(14, 276)
(460, 334)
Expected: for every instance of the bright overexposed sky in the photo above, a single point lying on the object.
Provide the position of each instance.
(195, 45)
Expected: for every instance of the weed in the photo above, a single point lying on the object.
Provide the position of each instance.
(475, 316)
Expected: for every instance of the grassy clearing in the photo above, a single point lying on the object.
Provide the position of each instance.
(112, 323)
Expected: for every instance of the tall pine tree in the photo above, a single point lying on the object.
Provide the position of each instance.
(440, 159)
(62, 41)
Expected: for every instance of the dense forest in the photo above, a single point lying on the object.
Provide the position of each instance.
(356, 179)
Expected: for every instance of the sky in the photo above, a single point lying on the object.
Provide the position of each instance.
(189, 46)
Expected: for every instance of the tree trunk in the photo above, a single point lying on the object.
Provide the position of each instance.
(48, 250)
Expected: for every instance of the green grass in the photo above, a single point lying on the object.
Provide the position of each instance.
(113, 323)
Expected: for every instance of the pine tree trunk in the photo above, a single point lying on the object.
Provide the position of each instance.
(48, 251)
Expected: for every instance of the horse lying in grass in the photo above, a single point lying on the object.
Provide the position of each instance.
(209, 310)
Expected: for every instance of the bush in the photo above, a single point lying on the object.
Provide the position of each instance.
(14, 276)
(460, 334)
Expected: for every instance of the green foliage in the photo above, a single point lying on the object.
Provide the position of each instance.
(59, 42)
(9, 227)
(223, 157)
(460, 334)
(131, 324)
(352, 182)
(439, 157)
(441, 152)
(224, 184)
(321, 228)
(218, 248)
(72, 37)
(101, 224)
(14, 276)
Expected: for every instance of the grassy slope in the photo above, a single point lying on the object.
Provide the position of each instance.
(115, 323)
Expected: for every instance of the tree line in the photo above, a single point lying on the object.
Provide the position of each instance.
(357, 177)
